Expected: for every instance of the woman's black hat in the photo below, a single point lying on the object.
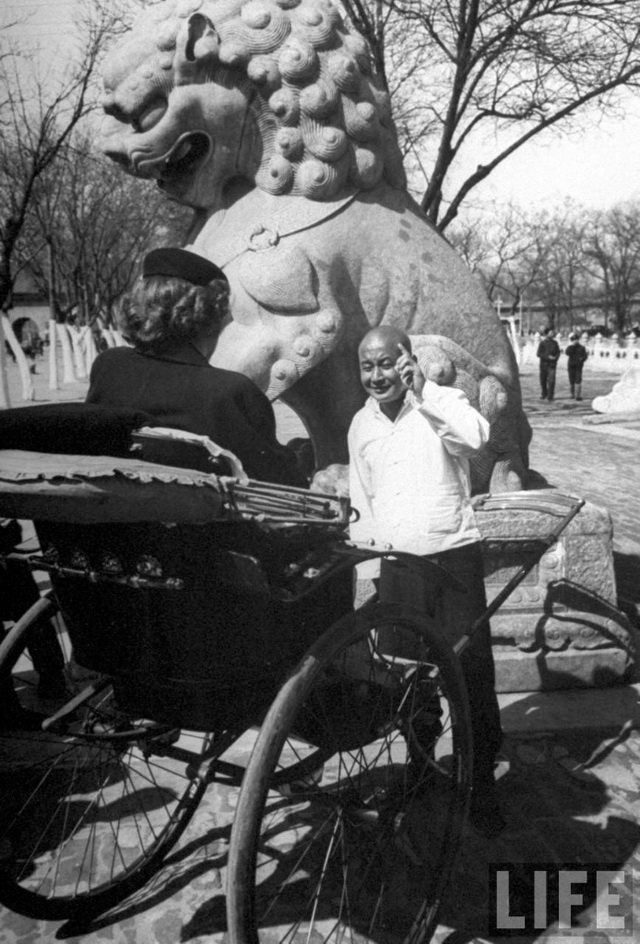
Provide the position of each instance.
(182, 264)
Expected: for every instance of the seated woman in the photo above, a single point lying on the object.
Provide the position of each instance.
(173, 318)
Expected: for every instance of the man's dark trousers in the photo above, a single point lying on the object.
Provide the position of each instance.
(455, 608)
(547, 379)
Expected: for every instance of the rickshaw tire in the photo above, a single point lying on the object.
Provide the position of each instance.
(53, 784)
(256, 828)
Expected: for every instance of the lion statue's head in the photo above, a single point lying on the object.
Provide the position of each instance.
(208, 95)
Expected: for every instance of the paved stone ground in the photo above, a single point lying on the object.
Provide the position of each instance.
(569, 781)
(596, 460)
(570, 796)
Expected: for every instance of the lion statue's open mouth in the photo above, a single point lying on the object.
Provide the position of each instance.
(183, 160)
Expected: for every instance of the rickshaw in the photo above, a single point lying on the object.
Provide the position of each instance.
(210, 638)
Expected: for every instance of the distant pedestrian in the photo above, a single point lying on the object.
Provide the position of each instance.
(548, 353)
(576, 356)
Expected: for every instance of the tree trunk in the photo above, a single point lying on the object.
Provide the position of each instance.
(108, 335)
(5, 399)
(90, 351)
(68, 375)
(28, 389)
(77, 340)
(53, 334)
(53, 356)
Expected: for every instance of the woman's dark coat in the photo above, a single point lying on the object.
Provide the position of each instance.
(182, 390)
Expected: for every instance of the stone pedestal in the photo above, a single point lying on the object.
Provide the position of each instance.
(561, 627)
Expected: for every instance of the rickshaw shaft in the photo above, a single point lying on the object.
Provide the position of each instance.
(518, 577)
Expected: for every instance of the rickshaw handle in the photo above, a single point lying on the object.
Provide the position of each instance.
(518, 577)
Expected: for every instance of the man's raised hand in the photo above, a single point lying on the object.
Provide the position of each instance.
(409, 370)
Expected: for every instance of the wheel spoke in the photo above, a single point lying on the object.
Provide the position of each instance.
(365, 852)
(93, 810)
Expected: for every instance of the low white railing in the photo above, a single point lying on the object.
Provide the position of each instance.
(612, 354)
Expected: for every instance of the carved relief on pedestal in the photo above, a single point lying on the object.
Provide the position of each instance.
(561, 626)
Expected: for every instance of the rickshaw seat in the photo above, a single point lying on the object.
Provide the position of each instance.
(168, 581)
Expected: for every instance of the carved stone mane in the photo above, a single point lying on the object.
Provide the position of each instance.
(326, 125)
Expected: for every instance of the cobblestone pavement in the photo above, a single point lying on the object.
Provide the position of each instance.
(596, 460)
(41, 390)
(570, 796)
(569, 783)
(583, 453)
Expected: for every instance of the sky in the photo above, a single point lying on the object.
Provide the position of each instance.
(598, 167)
(46, 21)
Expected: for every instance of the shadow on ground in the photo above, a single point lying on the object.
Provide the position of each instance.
(570, 797)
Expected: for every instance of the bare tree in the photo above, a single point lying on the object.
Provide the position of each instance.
(506, 250)
(122, 13)
(91, 225)
(470, 238)
(37, 117)
(478, 67)
(612, 255)
(541, 254)
(99, 222)
(36, 122)
(561, 283)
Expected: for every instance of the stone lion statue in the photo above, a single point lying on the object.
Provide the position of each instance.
(265, 117)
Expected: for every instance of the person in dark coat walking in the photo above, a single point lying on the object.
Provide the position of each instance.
(173, 318)
(548, 353)
(576, 356)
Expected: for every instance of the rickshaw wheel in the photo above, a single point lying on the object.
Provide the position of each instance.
(363, 849)
(90, 807)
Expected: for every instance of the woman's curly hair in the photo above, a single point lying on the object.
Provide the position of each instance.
(162, 311)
